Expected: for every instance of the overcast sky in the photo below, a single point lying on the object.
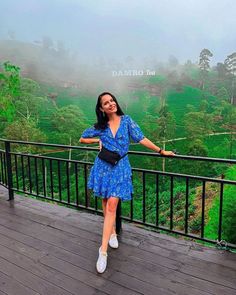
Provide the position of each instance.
(121, 28)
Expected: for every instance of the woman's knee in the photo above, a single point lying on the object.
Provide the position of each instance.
(104, 202)
(112, 205)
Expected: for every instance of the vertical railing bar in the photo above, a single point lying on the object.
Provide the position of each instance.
(5, 169)
(171, 201)
(76, 184)
(59, 178)
(85, 185)
(144, 197)
(44, 178)
(118, 218)
(132, 203)
(16, 167)
(51, 179)
(157, 199)
(203, 208)
(2, 176)
(186, 205)
(9, 170)
(36, 175)
(220, 211)
(68, 182)
(29, 172)
(96, 202)
(22, 172)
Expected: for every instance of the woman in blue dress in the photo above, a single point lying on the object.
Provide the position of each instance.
(113, 131)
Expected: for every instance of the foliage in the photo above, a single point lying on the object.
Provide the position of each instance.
(24, 130)
(20, 106)
(228, 215)
(9, 89)
(68, 123)
(29, 103)
(198, 124)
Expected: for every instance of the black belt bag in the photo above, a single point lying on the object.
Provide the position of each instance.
(110, 157)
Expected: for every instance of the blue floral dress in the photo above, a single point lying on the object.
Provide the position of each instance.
(114, 181)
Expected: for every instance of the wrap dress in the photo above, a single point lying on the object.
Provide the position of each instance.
(114, 181)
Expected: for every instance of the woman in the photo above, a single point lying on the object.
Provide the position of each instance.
(113, 131)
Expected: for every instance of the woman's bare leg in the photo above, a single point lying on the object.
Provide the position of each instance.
(104, 204)
(109, 220)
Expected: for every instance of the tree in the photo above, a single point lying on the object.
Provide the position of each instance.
(229, 123)
(25, 130)
(68, 123)
(9, 89)
(29, 103)
(204, 66)
(198, 124)
(222, 94)
(230, 63)
(173, 61)
(166, 127)
(20, 106)
(197, 148)
(221, 70)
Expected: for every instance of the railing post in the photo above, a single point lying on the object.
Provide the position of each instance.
(118, 218)
(9, 171)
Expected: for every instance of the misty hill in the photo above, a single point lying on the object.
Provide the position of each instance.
(41, 63)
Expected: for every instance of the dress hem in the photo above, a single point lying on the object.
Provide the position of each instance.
(105, 197)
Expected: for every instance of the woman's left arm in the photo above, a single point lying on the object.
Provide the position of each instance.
(150, 145)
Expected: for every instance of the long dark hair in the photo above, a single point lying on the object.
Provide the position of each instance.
(102, 118)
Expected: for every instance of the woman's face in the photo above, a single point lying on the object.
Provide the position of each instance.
(108, 105)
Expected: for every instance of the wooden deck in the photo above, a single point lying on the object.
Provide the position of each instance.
(49, 249)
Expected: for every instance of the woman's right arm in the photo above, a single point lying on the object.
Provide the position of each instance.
(89, 140)
(90, 136)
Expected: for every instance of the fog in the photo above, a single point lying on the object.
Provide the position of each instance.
(126, 35)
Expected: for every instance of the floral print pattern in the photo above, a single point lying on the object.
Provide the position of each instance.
(114, 181)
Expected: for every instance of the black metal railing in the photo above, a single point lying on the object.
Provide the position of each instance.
(65, 181)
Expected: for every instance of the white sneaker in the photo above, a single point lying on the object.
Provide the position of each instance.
(113, 242)
(101, 262)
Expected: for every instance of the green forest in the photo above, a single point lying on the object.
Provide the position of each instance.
(188, 108)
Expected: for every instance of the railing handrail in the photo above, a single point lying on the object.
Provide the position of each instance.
(153, 154)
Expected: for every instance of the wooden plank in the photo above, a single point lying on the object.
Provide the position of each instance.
(10, 286)
(148, 233)
(46, 218)
(91, 280)
(130, 270)
(46, 280)
(162, 251)
(200, 273)
(90, 265)
(217, 258)
(38, 277)
(139, 285)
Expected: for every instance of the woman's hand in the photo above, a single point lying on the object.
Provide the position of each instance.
(100, 145)
(167, 153)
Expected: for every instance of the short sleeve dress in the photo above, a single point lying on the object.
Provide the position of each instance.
(114, 181)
